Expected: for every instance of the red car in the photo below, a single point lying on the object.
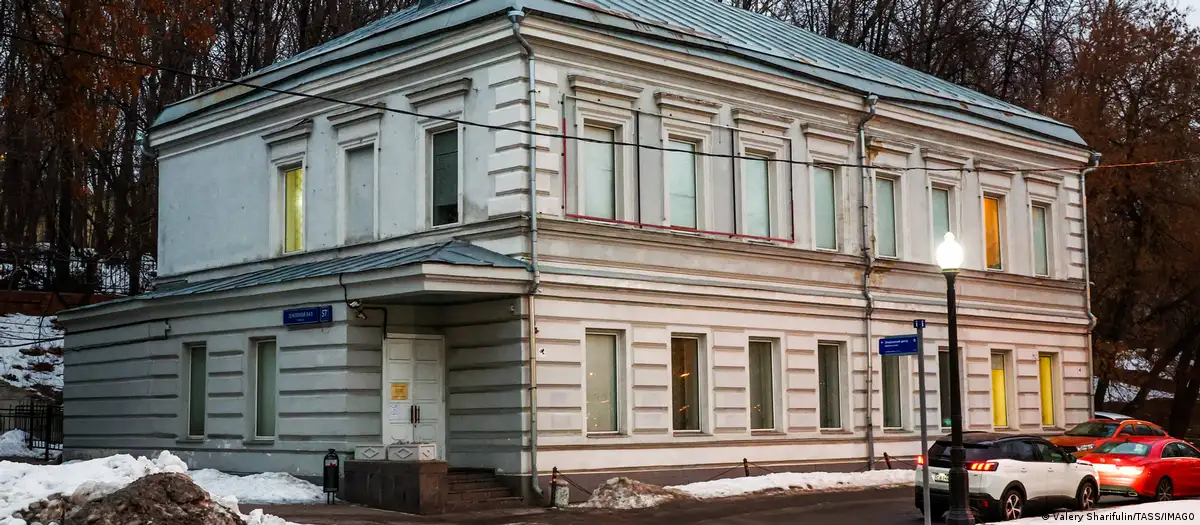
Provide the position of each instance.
(1152, 468)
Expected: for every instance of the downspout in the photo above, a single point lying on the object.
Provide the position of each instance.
(515, 16)
(1087, 282)
(868, 266)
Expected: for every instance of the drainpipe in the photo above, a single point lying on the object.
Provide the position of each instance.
(869, 265)
(515, 16)
(1087, 281)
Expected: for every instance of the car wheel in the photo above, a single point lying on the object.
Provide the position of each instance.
(1165, 490)
(1085, 496)
(1012, 505)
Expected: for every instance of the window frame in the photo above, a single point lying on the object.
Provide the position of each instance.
(703, 383)
(254, 366)
(1001, 228)
(698, 177)
(1047, 235)
(620, 377)
(189, 349)
(1006, 357)
(836, 181)
(844, 409)
(775, 151)
(287, 149)
(428, 147)
(1055, 389)
(962, 384)
(903, 386)
(897, 213)
(343, 163)
(776, 376)
(621, 121)
(953, 199)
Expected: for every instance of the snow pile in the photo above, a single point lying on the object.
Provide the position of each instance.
(625, 493)
(806, 481)
(22, 484)
(31, 351)
(13, 445)
(268, 487)
(1181, 511)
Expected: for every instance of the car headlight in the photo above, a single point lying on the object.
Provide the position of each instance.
(1088, 446)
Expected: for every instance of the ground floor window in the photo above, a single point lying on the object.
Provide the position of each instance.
(685, 382)
(999, 390)
(830, 385)
(266, 371)
(762, 385)
(197, 389)
(601, 382)
(892, 395)
(945, 383)
(1046, 380)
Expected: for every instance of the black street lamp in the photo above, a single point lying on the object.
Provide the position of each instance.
(950, 258)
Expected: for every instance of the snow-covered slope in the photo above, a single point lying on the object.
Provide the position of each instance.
(31, 351)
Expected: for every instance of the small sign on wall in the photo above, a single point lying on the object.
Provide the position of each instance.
(394, 413)
(399, 391)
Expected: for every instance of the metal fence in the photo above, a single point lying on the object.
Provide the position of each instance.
(42, 423)
(37, 270)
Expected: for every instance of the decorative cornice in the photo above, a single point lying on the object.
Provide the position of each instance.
(427, 94)
(770, 120)
(604, 88)
(949, 157)
(289, 133)
(829, 133)
(685, 103)
(357, 114)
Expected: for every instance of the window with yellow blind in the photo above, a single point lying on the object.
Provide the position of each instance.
(999, 391)
(293, 210)
(993, 211)
(1046, 378)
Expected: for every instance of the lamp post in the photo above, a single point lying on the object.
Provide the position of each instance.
(949, 258)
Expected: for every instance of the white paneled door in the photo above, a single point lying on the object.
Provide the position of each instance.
(414, 391)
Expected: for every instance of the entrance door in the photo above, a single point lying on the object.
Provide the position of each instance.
(414, 393)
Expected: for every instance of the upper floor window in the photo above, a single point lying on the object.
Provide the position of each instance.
(681, 182)
(360, 193)
(885, 217)
(600, 172)
(1041, 248)
(756, 181)
(940, 206)
(293, 210)
(825, 208)
(993, 234)
(445, 178)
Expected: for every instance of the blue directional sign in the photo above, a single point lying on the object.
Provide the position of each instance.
(898, 345)
(308, 315)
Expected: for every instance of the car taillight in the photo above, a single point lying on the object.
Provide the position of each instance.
(920, 460)
(983, 466)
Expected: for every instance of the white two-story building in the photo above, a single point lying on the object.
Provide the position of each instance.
(667, 311)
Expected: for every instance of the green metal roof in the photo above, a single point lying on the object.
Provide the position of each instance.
(454, 252)
(699, 27)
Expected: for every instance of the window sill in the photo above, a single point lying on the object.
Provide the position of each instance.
(605, 435)
(690, 433)
(446, 226)
(259, 441)
(187, 440)
(1054, 429)
(896, 431)
(767, 433)
(836, 432)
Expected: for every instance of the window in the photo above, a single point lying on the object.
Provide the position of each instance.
(1046, 378)
(266, 371)
(1182, 450)
(892, 406)
(830, 383)
(999, 391)
(992, 233)
(1018, 450)
(600, 176)
(825, 209)
(685, 382)
(293, 210)
(1142, 430)
(681, 183)
(756, 181)
(1122, 447)
(1126, 430)
(1172, 450)
(197, 389)
(762, 385)
(601, 383)
(1050, 453)
(1156, 431)
(360, 193)
(445, 177)
(885, 217)
(1041, 250)
(944, 386)
(941, 214)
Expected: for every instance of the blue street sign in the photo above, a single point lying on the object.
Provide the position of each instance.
(898, 345)
(308, 315)
(919, 323)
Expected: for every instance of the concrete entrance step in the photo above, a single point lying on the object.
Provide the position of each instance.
(478, 489)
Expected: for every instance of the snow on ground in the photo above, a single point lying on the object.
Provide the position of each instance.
(1183, 511)
(22, 484)
(268, 487)
(29, 351)
(803, 481)
(13, 445)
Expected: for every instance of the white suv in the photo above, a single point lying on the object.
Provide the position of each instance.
(1006, 473)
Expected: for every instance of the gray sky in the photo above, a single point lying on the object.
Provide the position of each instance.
(1194, 5)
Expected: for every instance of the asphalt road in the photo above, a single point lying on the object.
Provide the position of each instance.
(868, 507)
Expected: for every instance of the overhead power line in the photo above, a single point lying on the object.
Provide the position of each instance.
(535, 133)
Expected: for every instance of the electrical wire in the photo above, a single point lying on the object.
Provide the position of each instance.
(535, 133)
